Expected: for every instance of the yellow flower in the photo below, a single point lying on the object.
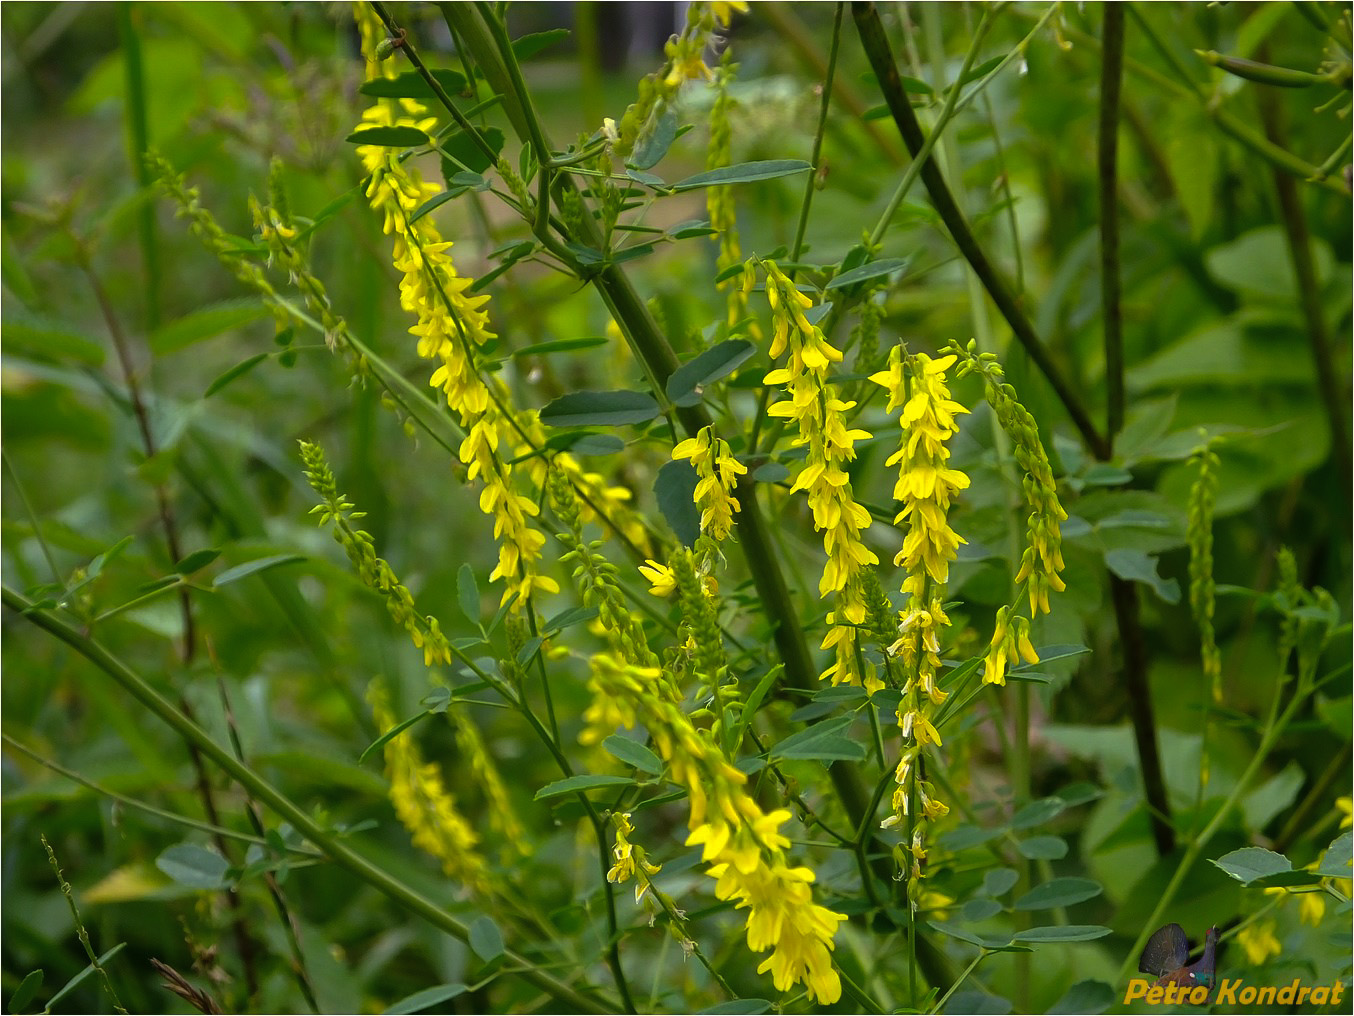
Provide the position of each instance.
(424, 805)
(718, 473)
(660, 578)
(723, 9)
(1259, 942)
(630, 858)
(742, 843)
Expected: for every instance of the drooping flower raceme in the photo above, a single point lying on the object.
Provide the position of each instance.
(1042, 559)
(424, 805)
(452, 327)
(925, 489)
(742, 843)
(819, 416)
(718, 473)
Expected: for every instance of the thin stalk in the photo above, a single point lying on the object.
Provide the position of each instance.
(1299, 823)
(982, 955)
(81, 933)
(33, 519)
(1328, 379)
(284, 914)
(1107, 151)
(880, 53)
(810, 185)
(138, 143)
(142, 806)
(1273, 728)
(804, 42)
(338, 851)
(1139, 691)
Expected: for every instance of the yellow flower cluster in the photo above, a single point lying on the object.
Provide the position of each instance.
(743, 844)
(718, 471)
(425, 806)
(1042, 559)
(820, 417)
(502, 815)
(926, 488)
(630, 859)
(452, 327)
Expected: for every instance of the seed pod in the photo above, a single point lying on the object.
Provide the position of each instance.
(1265, 74)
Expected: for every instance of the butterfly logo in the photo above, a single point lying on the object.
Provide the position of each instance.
(1166, 956)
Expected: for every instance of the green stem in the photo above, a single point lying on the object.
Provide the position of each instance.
(880, 53)
(337, 851)
(810, 185)
(1111, 79)
(1328, 375)
(940, 1005)
(142, 806)
(1273, 728)
(138, 141)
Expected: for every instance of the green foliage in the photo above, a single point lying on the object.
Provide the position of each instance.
(193, 718)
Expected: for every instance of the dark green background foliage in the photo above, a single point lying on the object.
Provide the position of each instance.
(1216, 336)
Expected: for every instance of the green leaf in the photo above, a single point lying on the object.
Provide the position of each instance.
(48, 340)
(468, 155)
(426, 999)
(738, 1007)
(1061, 892)
(973, 938)
(198, 559)
(388, 137)
(193, 866)
(239, 370)
(84, 974)
(687, 381)
(870, 271)
(411, 85)
(1251, 864)
(690, 228)
(1000, 881)
(744, 172)
(1038, 812)
(251, 567)
(568, 618)
(980, 910)
(632, 753)
(25, 992)
(1337, 858)
(468, 593)
(529, 45)
(600, 409)
(579, 784)
(561, 346)
(485, 938)
(1043, 848)
(1257, 264)
(1088, 997)
(1139, 566)
(675, 490)
(392, 733)
(651, 147)
(1063, 933)
(529, 649)
(205, 323)
(754, 702)
(823, 741)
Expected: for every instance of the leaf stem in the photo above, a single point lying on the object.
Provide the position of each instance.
(339, 852)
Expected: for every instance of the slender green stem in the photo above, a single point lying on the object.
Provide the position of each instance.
(142, 806)
(33, 520)
(81, 933)
(1273, 728)
(982, 955)
(339, 852)
(880, 53)
(138, 141)
(1111, 79)
(810, 185)
(1329, 377)
(947, 113)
